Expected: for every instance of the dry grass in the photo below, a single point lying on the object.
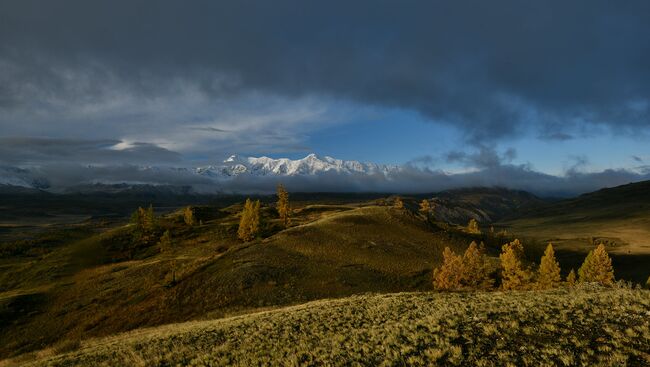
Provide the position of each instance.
(88, 288)
(582, 327)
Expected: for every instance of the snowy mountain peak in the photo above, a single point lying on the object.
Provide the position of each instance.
(311, 164)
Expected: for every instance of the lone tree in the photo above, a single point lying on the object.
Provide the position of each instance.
(145, 223)
(283, 207)
(249, 224)
(448, 276)
(549, 270)
(166, 243)
(475, 271)
(513, 274)
(398, 204)
(597, 267)
(188, 216)
(167, 246)
(571, 278)
(472, 226)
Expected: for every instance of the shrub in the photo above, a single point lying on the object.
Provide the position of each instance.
(448, 276)
(398, 203)
(66, 346)
(597, 267)
(549, 270)
(472, 226)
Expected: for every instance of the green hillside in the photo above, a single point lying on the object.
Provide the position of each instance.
(562, 327)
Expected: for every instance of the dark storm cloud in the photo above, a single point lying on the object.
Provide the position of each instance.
(39, 151)
(493, 69)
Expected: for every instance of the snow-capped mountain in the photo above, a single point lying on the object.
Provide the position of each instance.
(234, 166)
(310, 165)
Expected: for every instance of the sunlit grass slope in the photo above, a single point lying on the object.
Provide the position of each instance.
(581, 327)
(94, 289)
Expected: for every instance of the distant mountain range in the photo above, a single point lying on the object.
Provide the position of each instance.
(311, 165)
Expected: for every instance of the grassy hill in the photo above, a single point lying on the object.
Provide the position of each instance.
(582, 327)
(68, 282)
(91, 287)
(619, 217)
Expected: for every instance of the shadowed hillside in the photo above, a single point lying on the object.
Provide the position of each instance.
(618, 217)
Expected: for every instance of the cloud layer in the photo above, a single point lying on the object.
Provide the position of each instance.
(491, 69)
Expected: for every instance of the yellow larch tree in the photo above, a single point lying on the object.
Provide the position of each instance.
(571, 278)
(398, 203)
(475, 270)
(472, 226)
(448, 276)
(425, 207)
(548, 275)
(188, 216)
(249, 223)
(283, 207)
(513, 274)
(597, 267)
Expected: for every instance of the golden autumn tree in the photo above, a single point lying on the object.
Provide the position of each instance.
(571, 278)
(249, 223)
(514, 275)
(448, 276)
(145, 223)
(597, 267)
(425, 207)
(166, 244)
(472, 226)
(548, 275)
(475, 271)
(398, 203)
(283, 207)
(188, 216)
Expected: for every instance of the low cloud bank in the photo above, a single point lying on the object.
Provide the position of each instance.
(407, 179)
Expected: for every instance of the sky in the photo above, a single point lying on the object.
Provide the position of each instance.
(555, 88)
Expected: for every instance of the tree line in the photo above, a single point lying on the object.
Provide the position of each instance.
(472, 271)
